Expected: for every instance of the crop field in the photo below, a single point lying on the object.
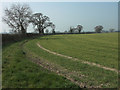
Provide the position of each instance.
(73, 61)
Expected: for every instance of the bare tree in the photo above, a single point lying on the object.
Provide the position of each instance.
(71, 30)
(17, 17)
(98, 29)
(79, 27)
(53, 28)
(40, 22)
(111, 30)
(65, 31)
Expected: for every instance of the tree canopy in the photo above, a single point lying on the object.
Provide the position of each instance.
(98, 28)
(79, 27)
(17, 17)
(111, 30)
(41, 22)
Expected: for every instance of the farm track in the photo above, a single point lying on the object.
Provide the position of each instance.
(58, 69)
(75, 59)
(68, 74)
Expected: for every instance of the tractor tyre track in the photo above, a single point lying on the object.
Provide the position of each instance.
(75, 59)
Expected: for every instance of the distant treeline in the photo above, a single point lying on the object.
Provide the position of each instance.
(9, 38)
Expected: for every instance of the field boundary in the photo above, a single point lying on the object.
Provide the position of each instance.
(76, 59)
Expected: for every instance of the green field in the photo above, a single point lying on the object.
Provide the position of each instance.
(20, 71)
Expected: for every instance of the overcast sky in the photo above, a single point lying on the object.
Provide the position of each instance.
(66, 14)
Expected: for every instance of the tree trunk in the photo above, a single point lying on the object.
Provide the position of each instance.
(53, 31)
(42, 31)
(39, 31)
(79, 31)
(23, 30)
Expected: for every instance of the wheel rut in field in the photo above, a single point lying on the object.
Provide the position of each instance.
(76, 59)
(60, 71)
(68, 74)
(75, 77)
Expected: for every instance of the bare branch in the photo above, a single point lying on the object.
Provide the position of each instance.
(40, 22)
(17, 17)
